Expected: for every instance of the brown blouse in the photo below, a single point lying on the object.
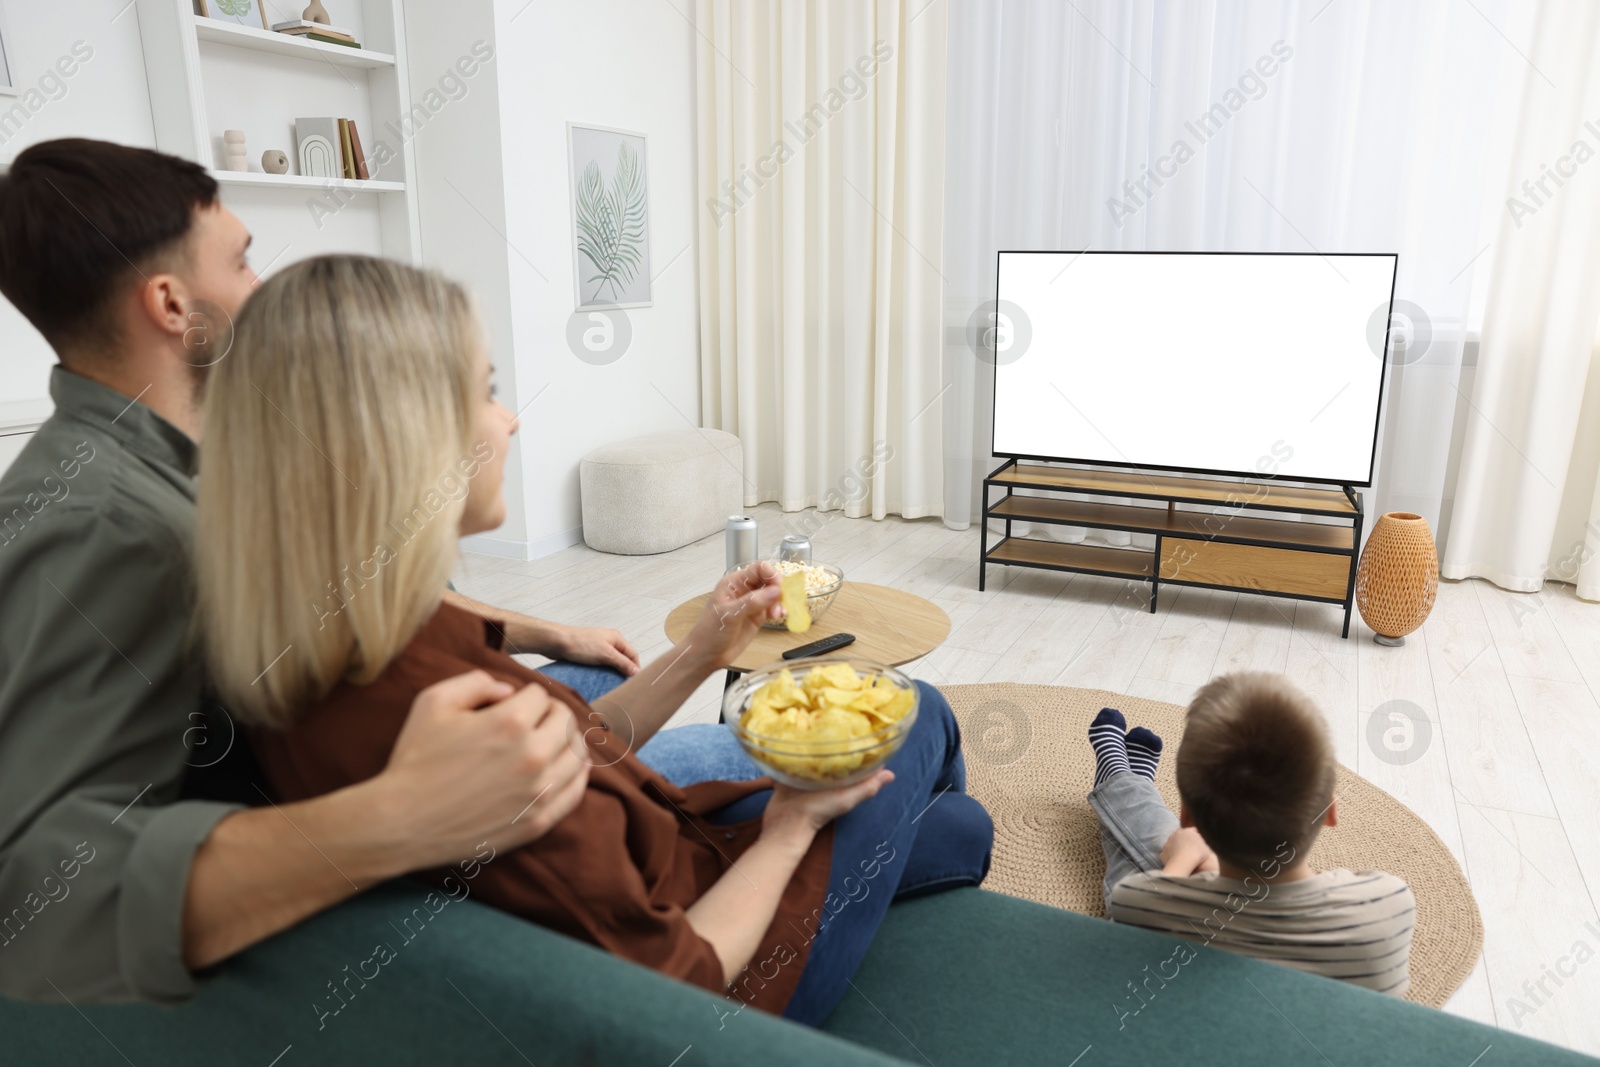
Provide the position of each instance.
(619, 871)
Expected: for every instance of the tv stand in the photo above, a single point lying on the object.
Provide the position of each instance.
(1209, 533)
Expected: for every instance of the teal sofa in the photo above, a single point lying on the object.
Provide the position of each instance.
(966, 977)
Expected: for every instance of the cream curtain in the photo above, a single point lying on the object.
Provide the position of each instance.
(1527, 503)
(1360, 125)
(821, 149)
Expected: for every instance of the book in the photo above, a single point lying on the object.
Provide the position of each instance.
(320, 35)
(302, 25)
(362, 172)
(346, 156)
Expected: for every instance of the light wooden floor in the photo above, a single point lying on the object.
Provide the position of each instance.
(1510, 777)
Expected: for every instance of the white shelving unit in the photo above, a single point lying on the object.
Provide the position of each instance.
(233, 177)
(208, 75)
(286, 45)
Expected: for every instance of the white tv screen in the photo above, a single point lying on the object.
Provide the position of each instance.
(1229, 363)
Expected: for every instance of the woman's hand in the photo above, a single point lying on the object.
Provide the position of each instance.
(1186, 853)
(794, 816)
(735, 912)
(739, 604)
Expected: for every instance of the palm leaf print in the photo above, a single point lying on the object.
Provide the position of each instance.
(611, 224)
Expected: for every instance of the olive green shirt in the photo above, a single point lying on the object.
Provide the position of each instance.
(100, 693)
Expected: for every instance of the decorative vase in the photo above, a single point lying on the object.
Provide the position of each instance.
(315, 13)
(234, 156)
(1397, 577)
(274, 161)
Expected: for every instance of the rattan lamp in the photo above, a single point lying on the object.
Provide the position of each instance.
(1398, 576)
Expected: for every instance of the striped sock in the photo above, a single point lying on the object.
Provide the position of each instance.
(1144, 752)
(1110, 752)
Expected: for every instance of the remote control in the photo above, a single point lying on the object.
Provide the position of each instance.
(817, 648)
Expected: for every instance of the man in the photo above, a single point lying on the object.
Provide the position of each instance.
(120, 885)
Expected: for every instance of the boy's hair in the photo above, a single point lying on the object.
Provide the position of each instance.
(78, 220)
(1256, 768)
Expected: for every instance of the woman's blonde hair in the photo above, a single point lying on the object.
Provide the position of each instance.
(337, 446)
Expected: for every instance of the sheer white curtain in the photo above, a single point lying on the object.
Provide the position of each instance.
(1528, 495)
(821, 148)
(1357, 125)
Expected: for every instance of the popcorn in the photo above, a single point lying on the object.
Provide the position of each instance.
(817, 579)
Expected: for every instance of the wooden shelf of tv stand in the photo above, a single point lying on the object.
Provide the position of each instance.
(1085, 559)
(1211, 542)
(1205, 525)
(1264, 496)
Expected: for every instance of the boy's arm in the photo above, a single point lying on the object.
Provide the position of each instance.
(1186, 853)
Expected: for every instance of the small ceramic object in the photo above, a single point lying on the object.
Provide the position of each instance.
(274, 161)
(315, 13)
(233, 140)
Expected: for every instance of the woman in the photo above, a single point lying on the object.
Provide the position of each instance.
(352, 437)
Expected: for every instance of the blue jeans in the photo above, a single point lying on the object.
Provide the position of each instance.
(922, 833)
(588, 681)
(683, 755)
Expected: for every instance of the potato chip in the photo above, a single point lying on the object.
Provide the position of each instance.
(823, 726)
(797, 614)
(834, 675)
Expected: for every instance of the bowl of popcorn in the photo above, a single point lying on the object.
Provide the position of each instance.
(822, 582)
(821, 723)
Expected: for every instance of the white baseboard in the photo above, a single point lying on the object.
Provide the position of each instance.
(548, 545)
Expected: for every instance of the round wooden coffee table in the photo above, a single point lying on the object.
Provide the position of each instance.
(891, 626)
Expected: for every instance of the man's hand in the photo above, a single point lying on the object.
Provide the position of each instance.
(594, 645)
(1186, 853)
(458, 776)
(739, 604)
(576, 644)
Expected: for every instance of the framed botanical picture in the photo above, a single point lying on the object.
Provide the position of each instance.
(610, 217)
(8, 78)
(239, 12)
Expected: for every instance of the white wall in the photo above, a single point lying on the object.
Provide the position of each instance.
(493, 195)
(461, 195)
(495, 206)
(628, 65)
(106, 97)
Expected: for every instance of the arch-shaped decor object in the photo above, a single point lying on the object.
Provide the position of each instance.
(318, 159)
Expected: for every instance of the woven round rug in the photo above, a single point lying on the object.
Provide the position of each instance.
(1029, 762)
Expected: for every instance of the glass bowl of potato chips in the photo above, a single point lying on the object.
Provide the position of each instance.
(821, 723)
(822, 583)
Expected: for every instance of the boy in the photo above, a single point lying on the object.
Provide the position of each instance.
(1256, 775)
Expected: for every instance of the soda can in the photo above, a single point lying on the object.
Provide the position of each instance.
(742, 539)
(796, 548)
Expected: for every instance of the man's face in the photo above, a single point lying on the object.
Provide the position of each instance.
(216, 278)
(220, 269)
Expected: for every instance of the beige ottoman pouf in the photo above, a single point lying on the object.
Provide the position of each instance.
(661, 491)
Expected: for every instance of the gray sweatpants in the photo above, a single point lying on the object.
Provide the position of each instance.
(1134, 824)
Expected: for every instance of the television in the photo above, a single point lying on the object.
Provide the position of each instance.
(1250, 364)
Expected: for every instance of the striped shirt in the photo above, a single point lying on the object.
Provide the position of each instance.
(1351, 925)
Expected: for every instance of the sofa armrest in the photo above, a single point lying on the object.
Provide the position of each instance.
(405, 975)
